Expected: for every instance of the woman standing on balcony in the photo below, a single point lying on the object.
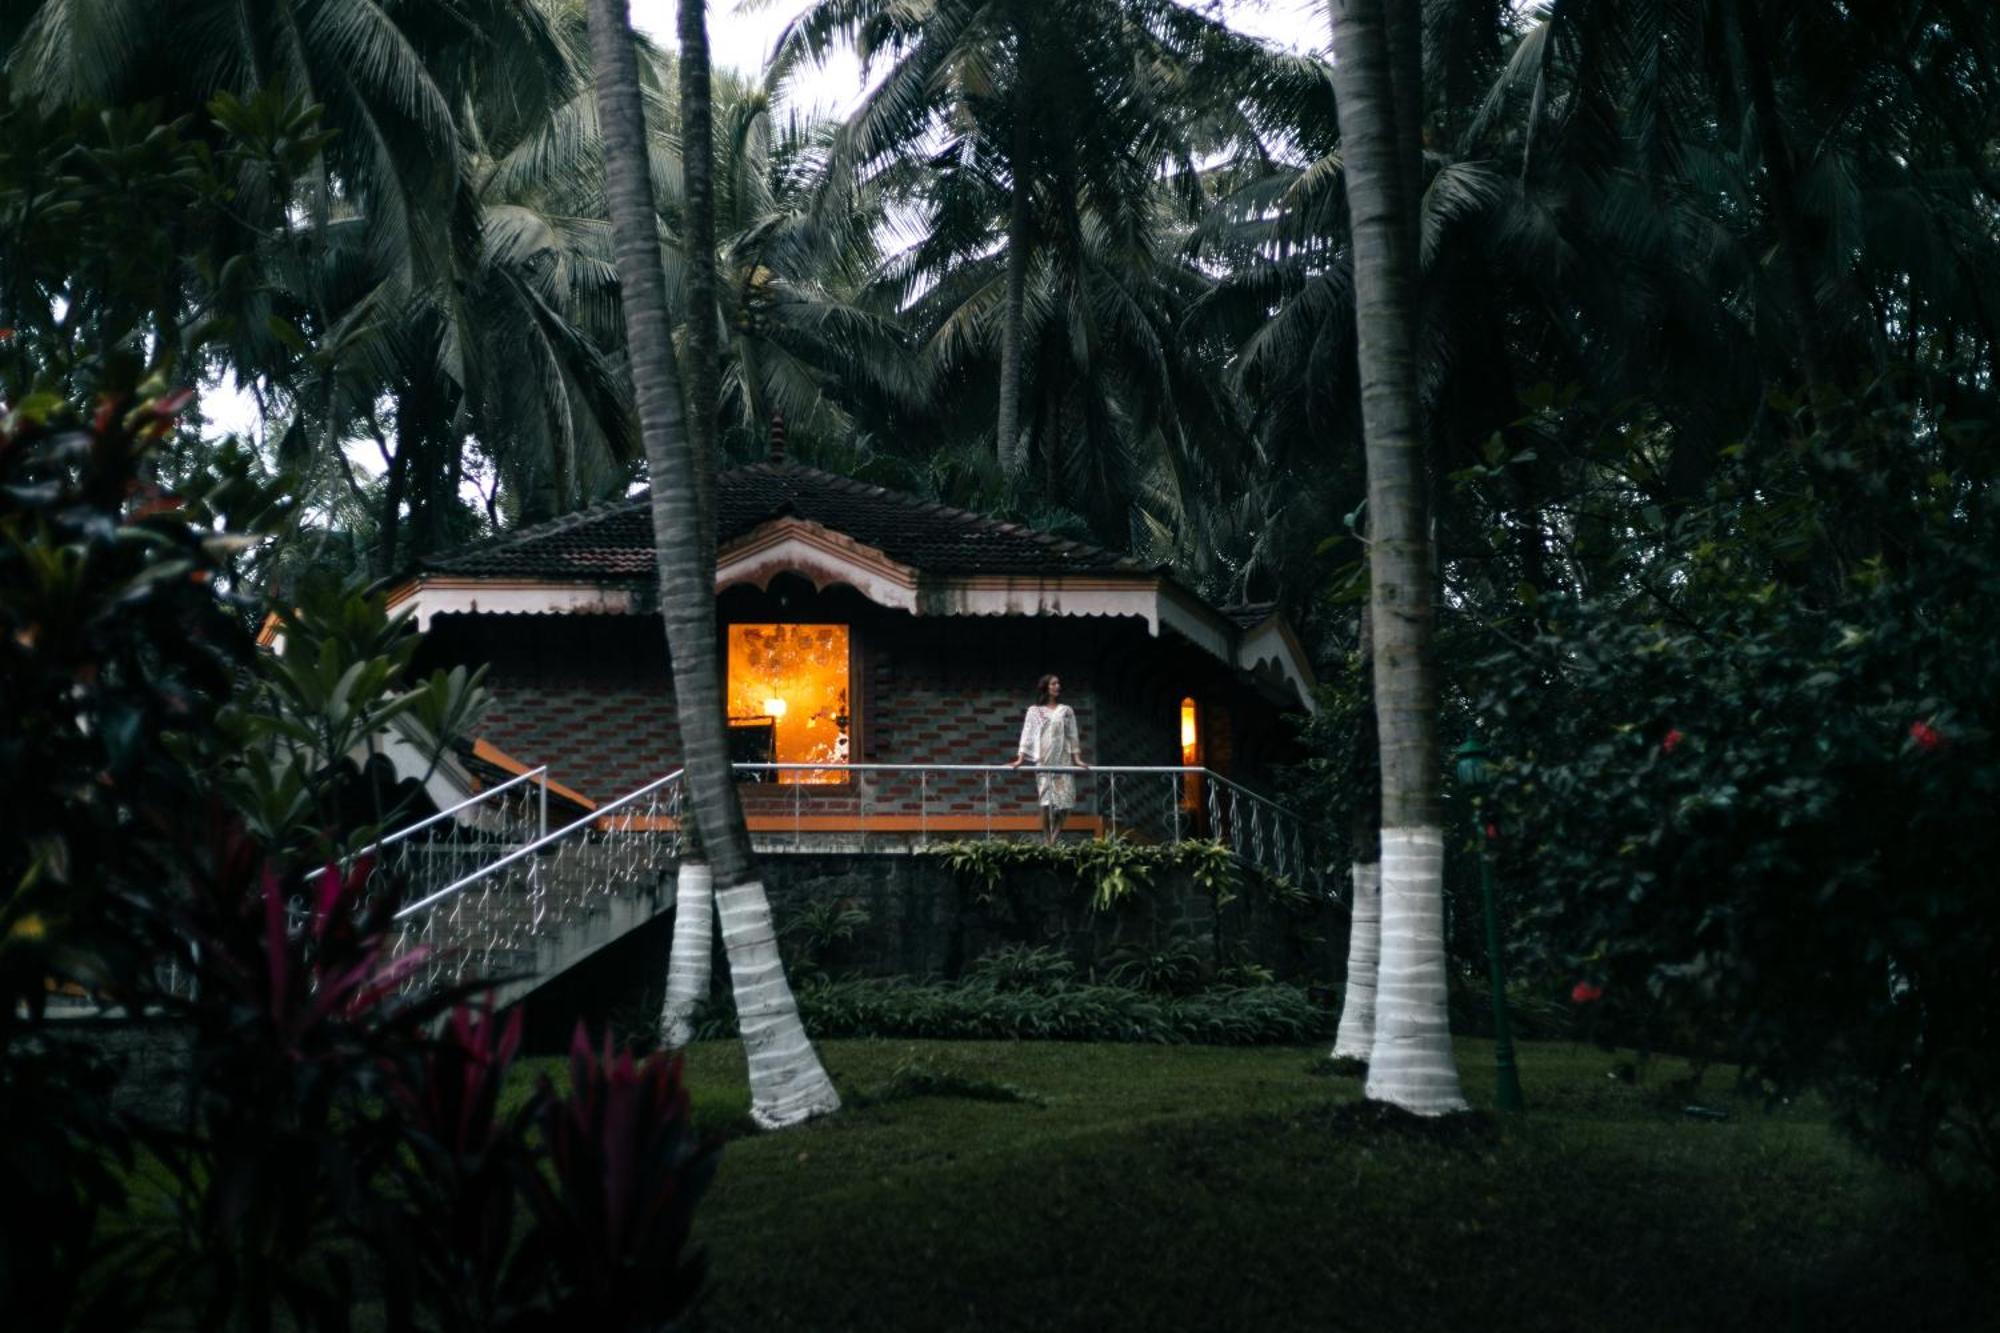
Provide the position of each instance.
(1049, 741)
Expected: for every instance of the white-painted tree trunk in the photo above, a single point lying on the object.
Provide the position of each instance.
(787, 1082)
(1411, 1065)
(1356, 1039)
(693, 952)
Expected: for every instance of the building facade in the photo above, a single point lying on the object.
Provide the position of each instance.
(868, 632)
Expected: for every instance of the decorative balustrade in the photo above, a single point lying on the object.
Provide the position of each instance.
(452, 844)
(494, 919)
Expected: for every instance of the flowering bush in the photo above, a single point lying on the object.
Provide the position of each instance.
(1727, 814)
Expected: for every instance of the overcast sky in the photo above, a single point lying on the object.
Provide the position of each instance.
(741, 34)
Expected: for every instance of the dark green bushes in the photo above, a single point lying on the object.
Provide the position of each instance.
(978, 1009)
(1752, 788)
(169, 793)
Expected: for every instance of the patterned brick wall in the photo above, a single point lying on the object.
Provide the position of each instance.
(586, 695)
(601, 739)
(956, 693)
(590, 697)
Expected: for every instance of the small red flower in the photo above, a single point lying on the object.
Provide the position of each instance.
(1585, 992)
(1493, 833)
(1927, 737)
(1673, 740)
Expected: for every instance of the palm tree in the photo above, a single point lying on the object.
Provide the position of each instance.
(801, 333)
(1410, 1064)
(1044, 131)
(787, 1081)
(400, 287)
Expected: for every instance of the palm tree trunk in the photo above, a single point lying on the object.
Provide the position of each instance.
(1411, 1062)
(389, 531)
(786, 1081)
(693, 951)
(1013, 456)
(698, 178)
(1356, 1038)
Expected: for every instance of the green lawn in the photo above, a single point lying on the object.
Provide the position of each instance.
(1199, 1187)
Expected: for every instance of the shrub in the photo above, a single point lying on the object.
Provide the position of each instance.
(820, 930)
(165, 787)
(1022, 967)
(974, 1011)
(1755, 783)
(1171, 968)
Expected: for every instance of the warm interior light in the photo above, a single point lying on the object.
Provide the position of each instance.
(1190, 757)
(794, 679)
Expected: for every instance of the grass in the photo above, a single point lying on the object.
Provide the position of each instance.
(975, 1185)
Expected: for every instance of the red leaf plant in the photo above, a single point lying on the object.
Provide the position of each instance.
(613, 1211)
(452, 1244)
(299, 1025)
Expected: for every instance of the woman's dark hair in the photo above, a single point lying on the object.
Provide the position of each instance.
(1042, 688)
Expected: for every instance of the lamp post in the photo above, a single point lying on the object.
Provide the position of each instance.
(1474, 772)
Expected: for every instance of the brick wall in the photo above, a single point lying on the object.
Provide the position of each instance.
(590, 697)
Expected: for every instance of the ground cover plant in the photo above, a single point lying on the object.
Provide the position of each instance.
(987, 1185)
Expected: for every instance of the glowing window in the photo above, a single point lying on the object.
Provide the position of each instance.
(788, 692)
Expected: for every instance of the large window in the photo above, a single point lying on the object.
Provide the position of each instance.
(788, 696)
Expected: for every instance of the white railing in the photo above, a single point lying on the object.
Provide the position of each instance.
(451, 844)
(945, 801)
(489, 921)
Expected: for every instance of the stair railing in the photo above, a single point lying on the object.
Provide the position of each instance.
(490, 921)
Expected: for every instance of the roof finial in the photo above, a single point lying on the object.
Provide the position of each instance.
(777, 436)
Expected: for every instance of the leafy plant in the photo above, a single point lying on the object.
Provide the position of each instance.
(1022, 967)
(1212, 866)
(612, 1215)
(1757, 791)
(1289, 897)
(454, 1243)
(821, 928)
(1171, 968)
(1113, 871)
(116, 633)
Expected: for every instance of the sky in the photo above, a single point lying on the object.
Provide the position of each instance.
(741, 34)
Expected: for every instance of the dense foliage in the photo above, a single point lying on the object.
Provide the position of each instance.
(187, 809)
(1753, 798)
(1056, 1010)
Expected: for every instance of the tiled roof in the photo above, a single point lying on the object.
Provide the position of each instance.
(614, 542)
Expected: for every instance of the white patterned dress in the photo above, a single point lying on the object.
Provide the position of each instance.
(1049, 740)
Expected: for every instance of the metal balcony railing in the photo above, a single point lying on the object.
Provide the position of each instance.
(490, 920)
(453, 843)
